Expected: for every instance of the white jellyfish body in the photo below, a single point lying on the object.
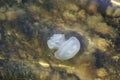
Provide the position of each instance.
(66, 49)
(55, 41)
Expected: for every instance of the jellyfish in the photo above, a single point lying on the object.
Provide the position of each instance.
(65, 49)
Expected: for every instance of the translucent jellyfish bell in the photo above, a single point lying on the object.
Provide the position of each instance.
(66, 49)
(55, 41)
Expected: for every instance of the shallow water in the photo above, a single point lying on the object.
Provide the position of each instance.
(26, 25)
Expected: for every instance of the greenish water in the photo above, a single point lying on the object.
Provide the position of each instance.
(26, 25)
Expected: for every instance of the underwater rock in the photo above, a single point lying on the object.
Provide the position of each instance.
(113, 11)
(66, 49)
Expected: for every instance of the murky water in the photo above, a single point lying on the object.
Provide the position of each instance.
(27, 25)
